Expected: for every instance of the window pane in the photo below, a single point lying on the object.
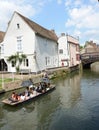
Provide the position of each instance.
(61, 51)
(27, 62)
(13, 64)
(18, 25)
(19, 44)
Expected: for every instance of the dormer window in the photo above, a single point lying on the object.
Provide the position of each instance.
(18, 25)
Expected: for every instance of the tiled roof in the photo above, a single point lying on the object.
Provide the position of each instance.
(1, 36)
(39, 29)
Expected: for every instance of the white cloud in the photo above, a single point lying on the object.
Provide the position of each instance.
(92, 33)
(27, 8)
(68, 3)
(83, 18)
(59, 1)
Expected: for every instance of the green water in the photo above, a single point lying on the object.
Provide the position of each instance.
(73, 105)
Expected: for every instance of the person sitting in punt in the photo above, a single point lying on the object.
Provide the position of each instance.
(22, 97)
(31, 92)
(27, 92)
(39, 88)
(17, 97)
(14, 97)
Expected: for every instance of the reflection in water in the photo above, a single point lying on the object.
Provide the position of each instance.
(2, 121)
(69, 91)
(73, 105)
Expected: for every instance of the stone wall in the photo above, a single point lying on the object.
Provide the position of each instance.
(95, 67)
(15, 84)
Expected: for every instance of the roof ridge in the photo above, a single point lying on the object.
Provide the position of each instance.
(39, 29)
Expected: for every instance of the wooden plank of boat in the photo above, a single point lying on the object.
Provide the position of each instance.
(11, 103)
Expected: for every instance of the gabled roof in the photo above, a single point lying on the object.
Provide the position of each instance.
(39, 29)
(1, 36)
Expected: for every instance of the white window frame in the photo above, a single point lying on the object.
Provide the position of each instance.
(47, 61)
(19, 44)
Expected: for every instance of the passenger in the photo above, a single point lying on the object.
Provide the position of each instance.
(27, 92)
(13, 95)
(17, 97)
(44, 87)
(49, 85)
(23, 97)
(31, 90)
(34, 92)
(39, 88)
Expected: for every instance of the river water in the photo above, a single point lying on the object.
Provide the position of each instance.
(73, 105)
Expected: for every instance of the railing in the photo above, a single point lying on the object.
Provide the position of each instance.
(89, 57)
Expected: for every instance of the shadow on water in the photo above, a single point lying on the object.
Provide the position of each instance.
(27, 106)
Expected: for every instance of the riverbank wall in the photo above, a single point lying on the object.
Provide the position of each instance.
(95, 67)
(52, 73)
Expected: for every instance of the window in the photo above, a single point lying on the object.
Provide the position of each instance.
(47, 60)
(19, 44)
(77, 57)
(60, 51)
(13, 64)
(26, 62)
(18, 25)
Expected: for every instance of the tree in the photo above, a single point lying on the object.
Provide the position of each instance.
(81, 47)
(17, 60)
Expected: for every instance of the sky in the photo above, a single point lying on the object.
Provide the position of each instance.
(78, 18)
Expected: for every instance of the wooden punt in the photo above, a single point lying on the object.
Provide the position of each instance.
(11, 103)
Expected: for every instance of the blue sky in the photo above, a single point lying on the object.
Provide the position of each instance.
(79, 18)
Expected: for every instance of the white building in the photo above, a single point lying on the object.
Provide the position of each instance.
(63, 49)
(24, 36)
(68, 47)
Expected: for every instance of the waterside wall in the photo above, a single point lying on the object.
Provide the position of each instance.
(53, 73)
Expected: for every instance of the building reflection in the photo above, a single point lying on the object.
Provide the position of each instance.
(66, 95)
(2, 122)
(70, 91)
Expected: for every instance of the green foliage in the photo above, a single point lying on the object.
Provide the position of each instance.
(17, 60)
(17, 69)
(81, 47)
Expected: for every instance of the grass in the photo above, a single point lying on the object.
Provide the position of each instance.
(6, 80)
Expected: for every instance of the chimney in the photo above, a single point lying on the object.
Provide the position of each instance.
(62, 34)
